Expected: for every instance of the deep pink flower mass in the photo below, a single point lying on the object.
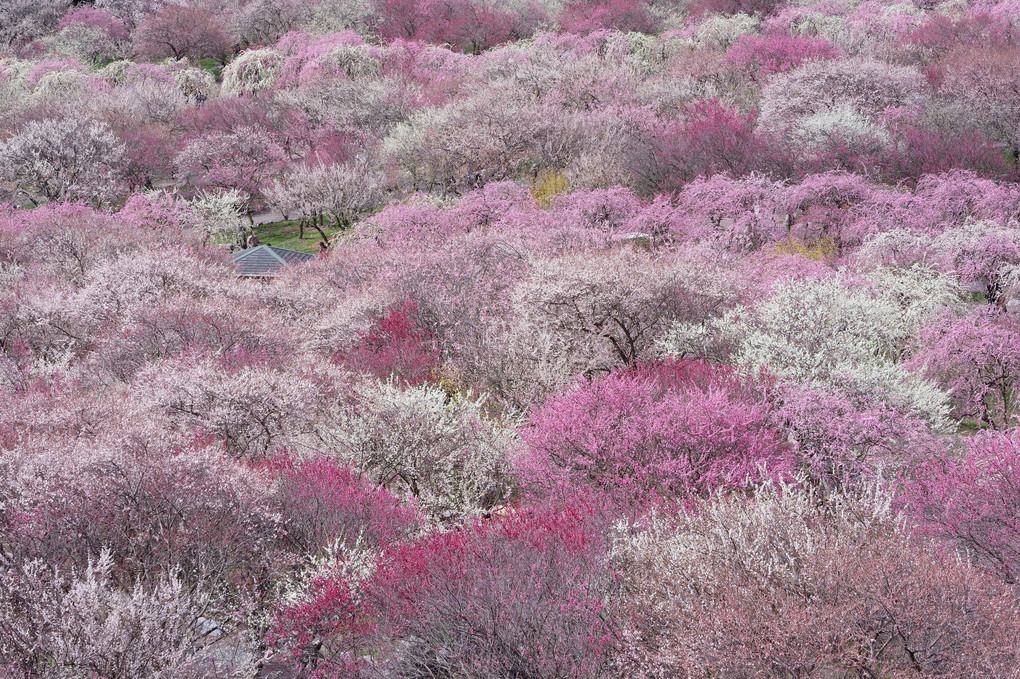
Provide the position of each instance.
(595, 339)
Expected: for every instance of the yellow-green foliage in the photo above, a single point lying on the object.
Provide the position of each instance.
(450, 385)
(549, 183)
(819, 250)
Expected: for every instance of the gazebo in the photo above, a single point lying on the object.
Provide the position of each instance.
(266, 261)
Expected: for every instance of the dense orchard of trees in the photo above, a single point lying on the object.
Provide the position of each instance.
(654, 339)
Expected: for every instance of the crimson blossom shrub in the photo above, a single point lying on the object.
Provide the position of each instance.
(669, 430)
(323, 503)
(395, 346)
(527, 593)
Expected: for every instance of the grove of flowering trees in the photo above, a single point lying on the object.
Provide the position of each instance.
(647, 339)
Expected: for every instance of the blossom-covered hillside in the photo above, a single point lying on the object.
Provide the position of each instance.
(643, 339)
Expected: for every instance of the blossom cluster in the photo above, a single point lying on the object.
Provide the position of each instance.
(647, 339)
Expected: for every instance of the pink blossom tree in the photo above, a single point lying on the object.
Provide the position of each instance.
(973, 501)
(666, 431)
(977, 359)
(244, 159)
(177, 30)
(844, 440)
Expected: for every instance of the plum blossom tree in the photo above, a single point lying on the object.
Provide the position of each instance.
(324, 504)
(530, 589)
(972, 500)
(249, 408)
(710, 140)
(585, 16)
(845, 440)
(22, 21)
(976, 358)
(613, 309)
(244, 159)
(263, 22)
(469, 25)
(422, 442)
(219, 216)
(665, 431)
(461, 147)
(334, 16)
(980, 78)
(93, 35)
(978, 251)
(747, 7)
(777, 53)
(833, 108)
(395, 347)
(738, 214)
(181, 30)
(252, 71)
(83, 623)
(109, 492)
(832, 331)
(62, 160)
(338, 193)
(917, 149)
(128, 11)
(788, 584)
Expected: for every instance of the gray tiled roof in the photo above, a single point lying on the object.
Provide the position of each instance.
(265, 261)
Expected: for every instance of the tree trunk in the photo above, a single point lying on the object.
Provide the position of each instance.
(322, 233)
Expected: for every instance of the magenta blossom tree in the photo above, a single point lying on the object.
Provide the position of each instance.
(663, 431)
(777, 53)
(973, 500)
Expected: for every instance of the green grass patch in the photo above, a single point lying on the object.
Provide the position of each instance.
(211, 65)
(285, 235)
(969, 427)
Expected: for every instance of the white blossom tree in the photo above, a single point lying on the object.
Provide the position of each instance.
(339, 193)
(25, 20)
(84, 624)
(818, 332)
(424, 443)
(62, 159)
